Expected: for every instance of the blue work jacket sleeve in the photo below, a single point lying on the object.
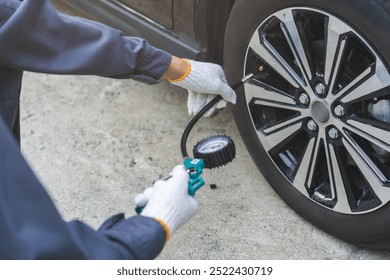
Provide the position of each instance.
(32, 228)
(37, 38)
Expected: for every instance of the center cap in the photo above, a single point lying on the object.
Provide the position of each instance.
(320, 112)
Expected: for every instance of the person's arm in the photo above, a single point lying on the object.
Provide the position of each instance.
(35, 37)
(32, 228)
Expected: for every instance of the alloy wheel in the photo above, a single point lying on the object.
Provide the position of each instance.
(320, 105)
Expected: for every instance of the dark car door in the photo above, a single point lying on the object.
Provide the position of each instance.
(178, 16)
(158, 11)
(167, 24)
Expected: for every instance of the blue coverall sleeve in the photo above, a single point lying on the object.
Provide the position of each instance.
(32, 228)
(37, 38)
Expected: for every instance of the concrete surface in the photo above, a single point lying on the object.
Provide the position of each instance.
(95, 143)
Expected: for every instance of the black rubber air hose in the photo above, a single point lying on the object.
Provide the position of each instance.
(196, 118)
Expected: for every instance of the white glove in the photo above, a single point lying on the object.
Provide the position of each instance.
(168, 201)
(203, 81)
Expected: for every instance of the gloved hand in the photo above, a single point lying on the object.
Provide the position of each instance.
(203, 81)
(168, 201)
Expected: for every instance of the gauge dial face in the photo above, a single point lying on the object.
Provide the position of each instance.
(214, 144)
(215, 151)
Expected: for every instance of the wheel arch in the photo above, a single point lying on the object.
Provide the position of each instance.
(210, 29)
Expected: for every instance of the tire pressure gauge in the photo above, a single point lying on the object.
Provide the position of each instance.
(215, 151)
(211, 152)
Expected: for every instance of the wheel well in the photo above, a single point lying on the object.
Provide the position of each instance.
(210, 24)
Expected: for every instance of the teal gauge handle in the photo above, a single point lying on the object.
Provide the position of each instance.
(194, 168)
(139, 210)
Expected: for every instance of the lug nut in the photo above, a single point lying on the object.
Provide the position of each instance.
(311, 125)
(339, 110)
(320, 89)
(304, 98)
(333, 133)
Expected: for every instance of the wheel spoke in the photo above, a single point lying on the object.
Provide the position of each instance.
(264, 49)
(278, 136)
(291, 33)
(375, 135)
(333, 56)
(283, 124)
(272, 103)
(330, 164)
(371, 173)
(304, 175)
(379, 80)
(273, 96)
(337, 181)
(337, 64)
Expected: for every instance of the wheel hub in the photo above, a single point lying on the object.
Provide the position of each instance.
(320, 112)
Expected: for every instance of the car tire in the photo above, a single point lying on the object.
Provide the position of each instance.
(327, 156)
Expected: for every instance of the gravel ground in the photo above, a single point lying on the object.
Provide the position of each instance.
(95, 143)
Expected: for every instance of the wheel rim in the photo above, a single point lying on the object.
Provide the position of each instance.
(320, 106)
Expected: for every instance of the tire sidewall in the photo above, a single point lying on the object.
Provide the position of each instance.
(371, 19)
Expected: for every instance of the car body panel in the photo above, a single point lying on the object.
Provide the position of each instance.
(132, 24)
(158, 11)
